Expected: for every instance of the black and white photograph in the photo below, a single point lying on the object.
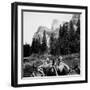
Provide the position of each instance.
(53, 46)
(49, 44)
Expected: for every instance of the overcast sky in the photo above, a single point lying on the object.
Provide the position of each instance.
(32, 20)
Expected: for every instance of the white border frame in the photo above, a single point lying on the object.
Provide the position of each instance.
(82, 48)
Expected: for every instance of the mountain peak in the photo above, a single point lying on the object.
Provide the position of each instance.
(40, 31)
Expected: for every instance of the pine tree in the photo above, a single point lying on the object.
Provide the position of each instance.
(78, 30)
(64, 39)
(44, 43)
(27, 50)
(52, 47)
(73, 41)
(77, 39)
(35, 46)
(58, 44)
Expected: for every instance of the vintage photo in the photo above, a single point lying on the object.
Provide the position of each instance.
(51, 44)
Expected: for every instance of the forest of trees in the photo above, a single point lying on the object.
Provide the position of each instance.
(68, 42)
(36, 47)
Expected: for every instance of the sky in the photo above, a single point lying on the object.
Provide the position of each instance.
(32, 20)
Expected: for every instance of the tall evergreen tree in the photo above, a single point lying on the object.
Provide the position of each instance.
(27, 50)
(77, 39)
(78, 30)
(44, 43)
(35, 45)
(59, 41)
(73, 38)
(54, 49)
(52, 46)
(64, 39)
(67, 40)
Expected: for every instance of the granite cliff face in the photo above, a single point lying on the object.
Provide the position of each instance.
(40, 31)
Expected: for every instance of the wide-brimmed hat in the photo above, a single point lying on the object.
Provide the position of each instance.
(60, 57)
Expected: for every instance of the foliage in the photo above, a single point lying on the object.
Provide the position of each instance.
(27, 50)
(68, 41)
(44, 43)
(35, 45)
